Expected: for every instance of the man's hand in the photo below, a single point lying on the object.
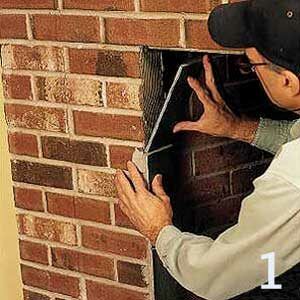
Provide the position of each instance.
(148, 212)
(217, 119)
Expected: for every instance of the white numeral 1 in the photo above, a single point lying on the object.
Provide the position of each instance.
(271, 273)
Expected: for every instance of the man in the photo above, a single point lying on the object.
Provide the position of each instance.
(269, 220)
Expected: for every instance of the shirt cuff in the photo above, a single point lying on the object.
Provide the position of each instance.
(272, 134)
(165, 236)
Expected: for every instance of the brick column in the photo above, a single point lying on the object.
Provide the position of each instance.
(72, 78)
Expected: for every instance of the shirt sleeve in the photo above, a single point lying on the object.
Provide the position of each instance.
(231, 265)
(271, 134)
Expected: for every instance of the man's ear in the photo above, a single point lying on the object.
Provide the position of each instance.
(291, 82)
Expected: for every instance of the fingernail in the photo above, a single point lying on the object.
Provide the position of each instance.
(159, 177)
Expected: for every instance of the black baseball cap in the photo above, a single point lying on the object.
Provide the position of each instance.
(271, 26)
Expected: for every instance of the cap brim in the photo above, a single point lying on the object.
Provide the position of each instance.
(227, 25)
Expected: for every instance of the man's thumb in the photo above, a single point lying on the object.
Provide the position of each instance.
(186, 125)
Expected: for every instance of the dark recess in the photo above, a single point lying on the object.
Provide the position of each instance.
(244, 95)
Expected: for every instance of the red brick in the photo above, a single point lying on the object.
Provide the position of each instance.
(121, 219)
(23, 144)
(42, 174)
(61, 205)
(34, 252)
(79, 208)
(96, 265)
(104, 62)
(184, 164)
(29, 295)
(133, 274)
(37, 58)
(28, 199)
(66, 28)
(198, 191)
(122, 95)
(69, 90)
(114, 242)
(225, 157)
(242, 179)
(161, 33)
(125, 5)
(198, 37)
(17, 87)
(97, 183)
(27, 4)
(99, 291)
(50, 281)
(200, 141)
(36, 117)
(219, 213)
(13, 27)
(80, 152)
(119, 155)
(47, 229)
(188, 6)
(107, 125)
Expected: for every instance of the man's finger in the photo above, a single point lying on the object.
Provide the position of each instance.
(121, 194)
(186, 126)
(123, 200)
(210, 80)
(124, 209)
(131, 214)
(123, 183)
(136, 178)
(202, 94)
(157, 187)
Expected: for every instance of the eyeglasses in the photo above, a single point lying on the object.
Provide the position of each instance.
(248, 67)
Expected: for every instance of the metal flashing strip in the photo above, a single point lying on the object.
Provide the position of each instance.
(174, 107)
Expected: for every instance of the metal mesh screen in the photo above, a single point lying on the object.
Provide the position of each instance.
(152, 89)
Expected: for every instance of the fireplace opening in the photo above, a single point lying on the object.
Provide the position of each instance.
(206, 177)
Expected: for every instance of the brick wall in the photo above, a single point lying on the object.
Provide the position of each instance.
(217, 175)
(71, 73)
